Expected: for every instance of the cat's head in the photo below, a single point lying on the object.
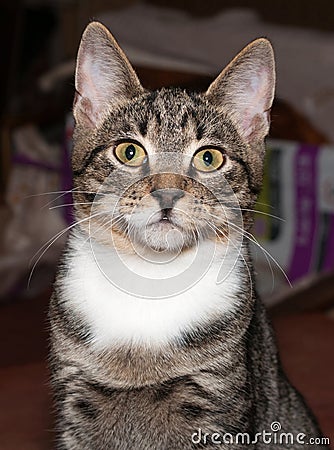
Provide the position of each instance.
(167, 168)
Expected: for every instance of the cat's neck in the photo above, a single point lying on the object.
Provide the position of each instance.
(125, 299)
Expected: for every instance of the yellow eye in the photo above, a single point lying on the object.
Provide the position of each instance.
(208, 160)
(130, 153)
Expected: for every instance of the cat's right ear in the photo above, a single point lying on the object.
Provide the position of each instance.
(104, 78)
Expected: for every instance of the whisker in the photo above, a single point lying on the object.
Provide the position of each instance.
(255, 211)
(50, 193)
(255, 241)
(51, 241)
(76, 203)
(259, 212)
(68, 192)
(213, 227)
(244, 234)
(252, 238)
(106, 223)
(62, 193)
(265, 204)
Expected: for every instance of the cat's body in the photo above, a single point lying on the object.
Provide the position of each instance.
(143, 357)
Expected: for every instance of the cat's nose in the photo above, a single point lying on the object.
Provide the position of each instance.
(167, 197)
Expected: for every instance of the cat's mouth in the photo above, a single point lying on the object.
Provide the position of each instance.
(166, 216)
(164, 229)
(165, 220)
(164, 232)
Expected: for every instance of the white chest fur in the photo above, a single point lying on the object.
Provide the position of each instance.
(117, 315)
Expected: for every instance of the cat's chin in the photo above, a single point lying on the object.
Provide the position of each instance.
(163, 236)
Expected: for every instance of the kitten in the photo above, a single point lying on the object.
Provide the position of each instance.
(158, 338)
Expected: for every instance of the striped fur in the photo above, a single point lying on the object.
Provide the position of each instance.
(130, 374)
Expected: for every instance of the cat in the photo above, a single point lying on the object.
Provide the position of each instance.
(158, 339)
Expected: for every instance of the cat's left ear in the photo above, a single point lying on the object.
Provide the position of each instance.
(104, 78)
(245, 90)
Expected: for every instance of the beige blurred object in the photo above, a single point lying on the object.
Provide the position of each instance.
(74, 16)
(29, 219)
(306, 14)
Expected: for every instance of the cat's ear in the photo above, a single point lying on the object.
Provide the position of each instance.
(104, 77)
(245, 89)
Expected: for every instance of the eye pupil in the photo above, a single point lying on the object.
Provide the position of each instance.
(130, 152)
(207, 158)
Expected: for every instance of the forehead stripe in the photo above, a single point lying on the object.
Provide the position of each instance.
(142, 127)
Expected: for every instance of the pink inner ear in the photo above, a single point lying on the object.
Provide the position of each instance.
(253, 103)
(246, 122)
(84, 108)
(87, 81)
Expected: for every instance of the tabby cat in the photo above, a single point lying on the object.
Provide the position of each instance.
(158, 339)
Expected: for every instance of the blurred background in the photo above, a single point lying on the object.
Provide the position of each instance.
(170, 43)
